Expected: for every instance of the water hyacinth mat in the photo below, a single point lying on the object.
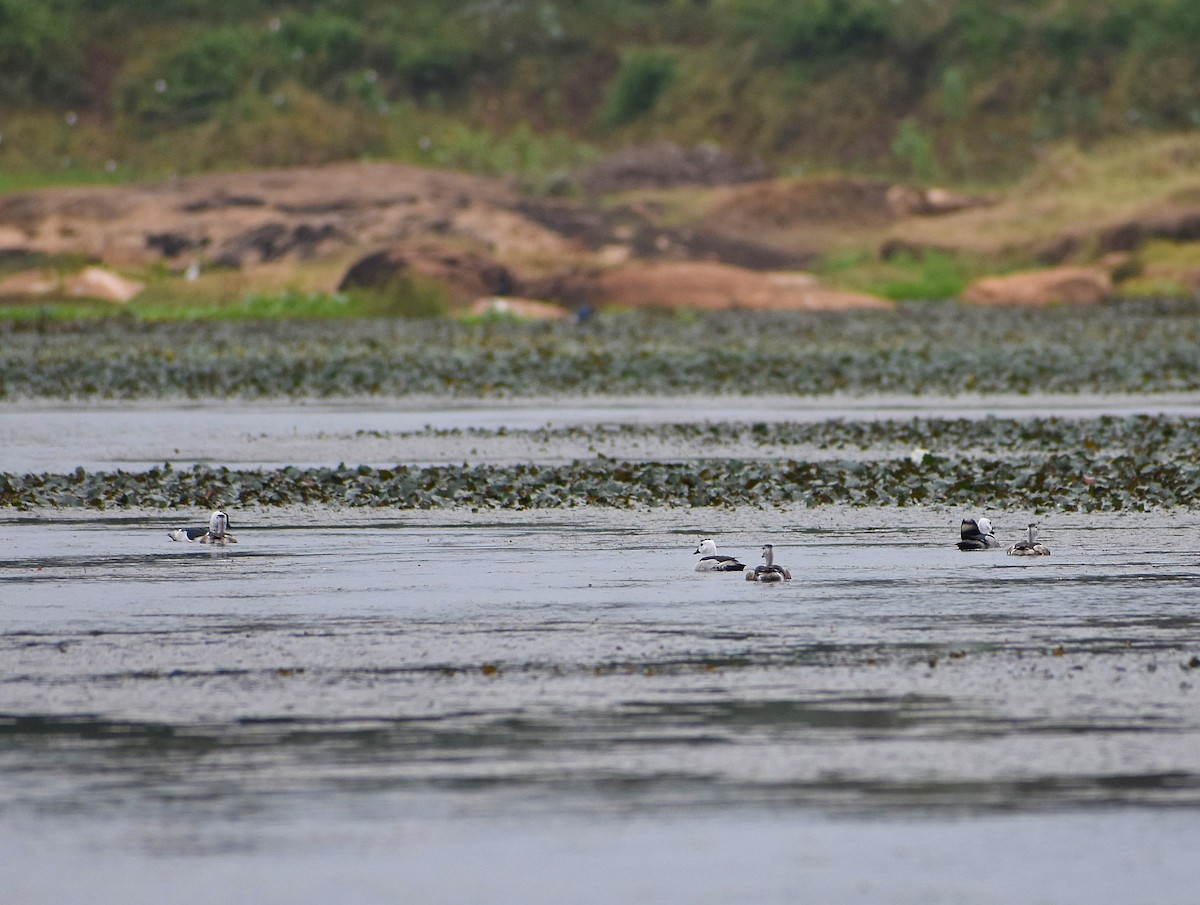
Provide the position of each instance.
(1044, 464)
(931, 347)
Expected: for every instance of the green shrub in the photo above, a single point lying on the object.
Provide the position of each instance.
(816, 27)
(932, 277)
(321, 46)
(798, 82)
(643, 77)
(403, 296)
(141, 10)
(293, 305)
(986, 34)
(432, 65)
(190, 82)
(914, 147)
(40, 57)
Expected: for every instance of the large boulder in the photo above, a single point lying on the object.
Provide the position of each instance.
(520, 308)
(665, 164)
(91, 282)
(722, 287)
(1057, 285)
(466, 275)
(98, 283)
(908, 201)
(30, 282)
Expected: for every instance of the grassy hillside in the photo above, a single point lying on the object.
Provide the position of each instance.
(964, 90)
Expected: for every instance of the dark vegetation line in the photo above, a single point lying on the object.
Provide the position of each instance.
(956, 89)
(1144, 434)
(1061, 482)
(919, 348)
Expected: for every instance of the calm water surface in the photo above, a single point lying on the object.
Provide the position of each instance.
(545, 707)
(40, 436)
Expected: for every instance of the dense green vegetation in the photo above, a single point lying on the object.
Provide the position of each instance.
(1038, 464)
(955, 89)
(918, 348)
(1051, 465)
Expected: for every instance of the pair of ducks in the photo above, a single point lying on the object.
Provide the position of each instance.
(216, 533)
(977, 535)
(712, 561)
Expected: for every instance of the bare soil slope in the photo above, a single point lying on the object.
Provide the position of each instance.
(364, 223)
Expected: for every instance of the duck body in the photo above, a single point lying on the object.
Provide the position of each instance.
(768, 572)
(217, 532)
(187, 535)
(712, 561)
(1031, 546)
(977, 534)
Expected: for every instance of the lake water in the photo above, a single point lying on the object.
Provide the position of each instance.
(58, 437)
(544, 707)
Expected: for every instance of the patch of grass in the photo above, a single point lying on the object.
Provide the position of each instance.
(42, 148)
(404, 296)
(1072, 191)
(18, 259)
(291, 126)
(35, 178)
(167, 300)
(928, 277)
(23, 311)
(253, 306)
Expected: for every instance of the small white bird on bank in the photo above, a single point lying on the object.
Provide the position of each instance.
(768, 571)
(977, 534)
(216, 533)
(1031, 546)
(712, 561)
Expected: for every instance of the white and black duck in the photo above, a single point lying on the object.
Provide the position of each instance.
(712, 561)
(977, 534)
(1031, 546)
(768, 571)
(216, 533)
(187, 534)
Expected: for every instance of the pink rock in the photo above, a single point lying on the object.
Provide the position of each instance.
(723, 287)
(98, 283)
(517, 307)
(1058, 285)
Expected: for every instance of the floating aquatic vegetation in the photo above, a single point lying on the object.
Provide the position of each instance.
(1076, 480)
(1153, 434)
(1042, 463)
(919, 348)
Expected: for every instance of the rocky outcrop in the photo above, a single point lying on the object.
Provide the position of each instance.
(30, 282)
(1177, 223)
(241, 220)
(721, 287)
(524, 309)
(91, 283)
(98, 283)
(665, 164)
(481, 237)
(909, 201)
(466, 275)
(1057, 285)
(272, 241)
